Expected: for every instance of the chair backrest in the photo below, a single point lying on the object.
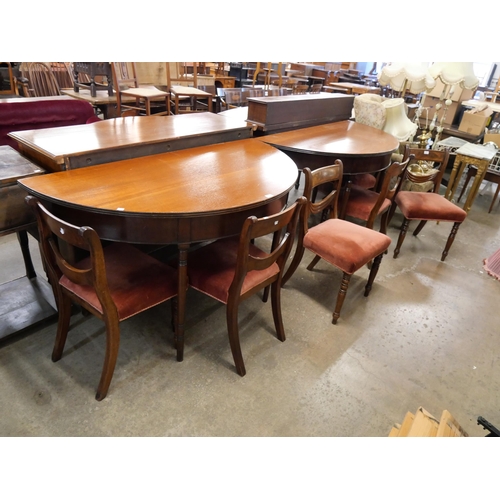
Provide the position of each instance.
(393, 180)
(282, 227)
(51, 230)
(61, 72)
(233, 97)
(12, 85)
(436, 158)
(42, 80)
(124, 75)
(330, 175)
(280, 91)
(300, 89)
(178, 73)
(315, 88)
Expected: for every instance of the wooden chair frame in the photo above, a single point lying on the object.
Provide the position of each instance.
(88, 274)
(125, 75)
(332, 176)
(252, 259)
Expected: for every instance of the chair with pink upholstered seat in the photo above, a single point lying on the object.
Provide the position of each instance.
(427, 206)
(113, 282)
(233, 269)
(343, 244)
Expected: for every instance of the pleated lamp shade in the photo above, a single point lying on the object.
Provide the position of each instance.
(455, 73)
(397, 122)
(415, 76)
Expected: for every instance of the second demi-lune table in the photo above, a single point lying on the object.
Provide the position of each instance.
(181, 197)
(362, 149)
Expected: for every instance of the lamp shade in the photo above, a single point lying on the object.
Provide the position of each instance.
(416, 76)
(397, 122)
(455, 73)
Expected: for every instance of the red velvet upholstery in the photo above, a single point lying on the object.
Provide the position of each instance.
(344, 244)
(367, 181)
(136, 281)
(211, 269)
(36, 113)
(361, 201)
(429, 206)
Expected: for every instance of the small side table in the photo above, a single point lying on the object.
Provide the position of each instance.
(29, 299)
(469, 154)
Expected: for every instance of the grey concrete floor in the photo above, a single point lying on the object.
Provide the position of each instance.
(426, 336)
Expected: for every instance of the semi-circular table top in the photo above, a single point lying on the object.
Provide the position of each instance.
(361, 148)
(203, 186)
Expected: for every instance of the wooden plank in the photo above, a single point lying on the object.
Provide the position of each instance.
(449, 427)
(394, 431)
(407, 424)
(424, 424)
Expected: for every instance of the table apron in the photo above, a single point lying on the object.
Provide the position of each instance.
(162, 230)
(352, 164)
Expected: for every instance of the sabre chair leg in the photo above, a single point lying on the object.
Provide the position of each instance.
(373, 273)
(346, 278)
(451, 239)
(234, 338)
(401, 238)
(276, 306)
(64, 307)
(110, 357)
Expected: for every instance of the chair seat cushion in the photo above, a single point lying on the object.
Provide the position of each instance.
(211, 269)
(144, 92)
(428, 206)
(361, 202)
(366, 181)
(346, 245)
(136, 280)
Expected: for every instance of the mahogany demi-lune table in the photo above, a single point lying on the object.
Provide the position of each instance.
(76, 146)
(362, 149)
(181, 197)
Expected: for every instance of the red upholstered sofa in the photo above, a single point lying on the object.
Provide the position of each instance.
(38, 112)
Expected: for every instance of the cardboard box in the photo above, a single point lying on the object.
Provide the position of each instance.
(459, 94)
(430, 102)
(474, 123)
(492, 138)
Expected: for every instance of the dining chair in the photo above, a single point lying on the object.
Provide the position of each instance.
(112, 282)
(126, 84)
(367, 205)
(183, 86)
(42, 81)
(424, 205)
(231, 270)
(345, 245)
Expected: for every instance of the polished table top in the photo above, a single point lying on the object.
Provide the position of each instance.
(75, 146)
(172, 190)
(361, 148)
